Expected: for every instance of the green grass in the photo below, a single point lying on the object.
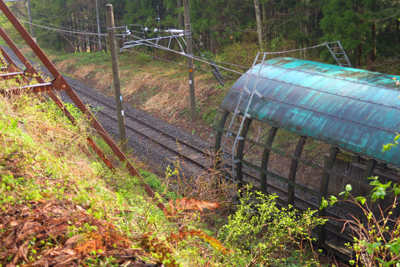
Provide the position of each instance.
(47, 162)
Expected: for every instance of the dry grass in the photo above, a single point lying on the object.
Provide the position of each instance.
(45, 175)
(172, 88)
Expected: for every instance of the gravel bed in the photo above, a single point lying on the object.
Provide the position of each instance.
(156, 157)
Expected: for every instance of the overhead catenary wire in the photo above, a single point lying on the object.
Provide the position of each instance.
(158, 58)
(69, 30)
(94, 22)
(232, 64)
(144, 40)
(131, 51)
(185, 55)
(295, 50)
(73, 31)
(58, 26)
(168, 49)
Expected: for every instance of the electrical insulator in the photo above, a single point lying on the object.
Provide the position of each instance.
(146, 29)
(155, 30)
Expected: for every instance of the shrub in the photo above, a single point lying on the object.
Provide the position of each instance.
(377, 235)
(259, 228)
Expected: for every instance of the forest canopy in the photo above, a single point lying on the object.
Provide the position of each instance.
(369, 30)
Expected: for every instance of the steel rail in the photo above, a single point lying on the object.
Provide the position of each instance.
(61, 84)
(144, 123)
(158, 142)
(199, 151)
(250, 176)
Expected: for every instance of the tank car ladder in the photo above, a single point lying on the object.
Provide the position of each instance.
(338, 53)
(232, 135)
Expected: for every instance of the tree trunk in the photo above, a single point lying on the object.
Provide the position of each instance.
(373, 52)
(75, 28)
(316, 15)
(105, 45)
(80, 29)
(264, 13)
(306, 29)
(258, 19)
(180, 17)
(359, 54)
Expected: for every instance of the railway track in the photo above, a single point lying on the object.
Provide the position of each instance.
(195, 156)
(180, 148)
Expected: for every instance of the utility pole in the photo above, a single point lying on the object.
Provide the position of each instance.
(189, 53)
(98, 25)
(30, 19)
(115, 68)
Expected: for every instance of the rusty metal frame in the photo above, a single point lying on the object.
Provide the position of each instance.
(59, 83)
(10, 75)
(35, 88)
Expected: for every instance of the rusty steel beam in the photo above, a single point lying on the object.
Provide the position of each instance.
(63, 85)
(11, 64)
(35, 88)
(31, 71)
(10, 75)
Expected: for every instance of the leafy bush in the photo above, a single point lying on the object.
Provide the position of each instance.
(377, 235)
(142, 58)
(259, 228)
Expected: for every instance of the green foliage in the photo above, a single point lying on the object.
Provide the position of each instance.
(368, 29)
(354, 23)
(47, 162)
(143, 58)
(258, 228)
(378, 240)
(388, 146)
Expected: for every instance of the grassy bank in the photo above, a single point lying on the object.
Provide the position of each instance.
(50, 175)
(60, 205)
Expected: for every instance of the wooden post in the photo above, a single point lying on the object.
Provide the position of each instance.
(117, 83)
(188, 35)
